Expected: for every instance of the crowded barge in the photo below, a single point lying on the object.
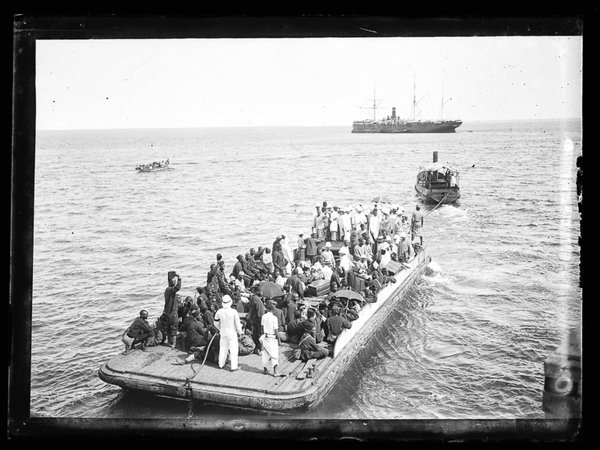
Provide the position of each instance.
(281, 329)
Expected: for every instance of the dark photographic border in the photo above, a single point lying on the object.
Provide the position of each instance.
(29, 28)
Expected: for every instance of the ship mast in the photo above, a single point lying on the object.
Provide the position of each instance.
(374, 107)
(414, 98)
(443, 103)
(442, 109)
(415, 102)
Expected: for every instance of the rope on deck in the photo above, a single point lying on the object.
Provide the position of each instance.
(188, 383)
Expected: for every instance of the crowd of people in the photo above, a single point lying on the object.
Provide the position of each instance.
(153, 165)
(210, 325)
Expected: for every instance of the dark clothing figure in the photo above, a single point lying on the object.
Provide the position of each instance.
(335, 325)
(276, 244)
(289, 310)
(195, 333)
(211, 273)
(335, 283)
(251, 268)
(311, 248)
(257, 309)
(208, 319)
(279, 261)
(296, 285)
(316, 321)
(202, 302)
(237, 267)
(171, 306)
(223, 287)
(140, 330)
(295, 329)
(309, 348)
(163, 327)
(280, 318)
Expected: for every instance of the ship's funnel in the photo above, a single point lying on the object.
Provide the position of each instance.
(435, 156)
(393, 113)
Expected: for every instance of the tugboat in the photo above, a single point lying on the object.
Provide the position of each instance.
(437, 183)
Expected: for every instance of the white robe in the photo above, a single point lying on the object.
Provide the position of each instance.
(270, 345)
(227, 320)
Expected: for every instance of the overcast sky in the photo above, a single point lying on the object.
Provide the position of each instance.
(164, 83)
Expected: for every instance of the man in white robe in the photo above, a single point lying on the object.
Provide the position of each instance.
(227, 320)
(270, 339)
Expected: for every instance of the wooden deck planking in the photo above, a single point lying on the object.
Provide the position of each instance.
(148, 363)
(289, 383)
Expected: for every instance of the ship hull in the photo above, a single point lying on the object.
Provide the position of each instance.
(406, 127)
(442, 195)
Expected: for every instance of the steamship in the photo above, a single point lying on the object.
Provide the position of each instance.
(393, 124)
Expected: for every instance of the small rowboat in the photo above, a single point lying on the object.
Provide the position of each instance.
(155, 166)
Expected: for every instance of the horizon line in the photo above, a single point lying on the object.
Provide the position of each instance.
(290, 126)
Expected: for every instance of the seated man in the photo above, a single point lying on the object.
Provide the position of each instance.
(295, 328)
(309, 348)
(195, 331)
(139, 331)
(335, 325)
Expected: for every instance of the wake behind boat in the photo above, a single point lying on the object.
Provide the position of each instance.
(153, 166)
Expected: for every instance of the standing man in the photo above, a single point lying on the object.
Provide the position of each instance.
(257, 310)
(171, 306)
(272, 341)
(333, 225)
(327, 254)
(222, 284)
(417, 224)
(311, 248)
(301, 252)
(227, 320)
(287, 253)
(405, 249)
(374, 224)
(345, 224)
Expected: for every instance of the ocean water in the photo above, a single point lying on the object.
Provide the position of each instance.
(467, 342)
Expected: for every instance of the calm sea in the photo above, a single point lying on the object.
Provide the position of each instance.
(468, 341)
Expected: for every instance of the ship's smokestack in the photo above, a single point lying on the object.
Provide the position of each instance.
(435, 156)
(394, 113)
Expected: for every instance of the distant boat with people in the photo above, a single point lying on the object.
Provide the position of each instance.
(154, 166)
(394, 124)
(438, 183)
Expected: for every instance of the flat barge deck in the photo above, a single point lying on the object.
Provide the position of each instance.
(154, 371)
